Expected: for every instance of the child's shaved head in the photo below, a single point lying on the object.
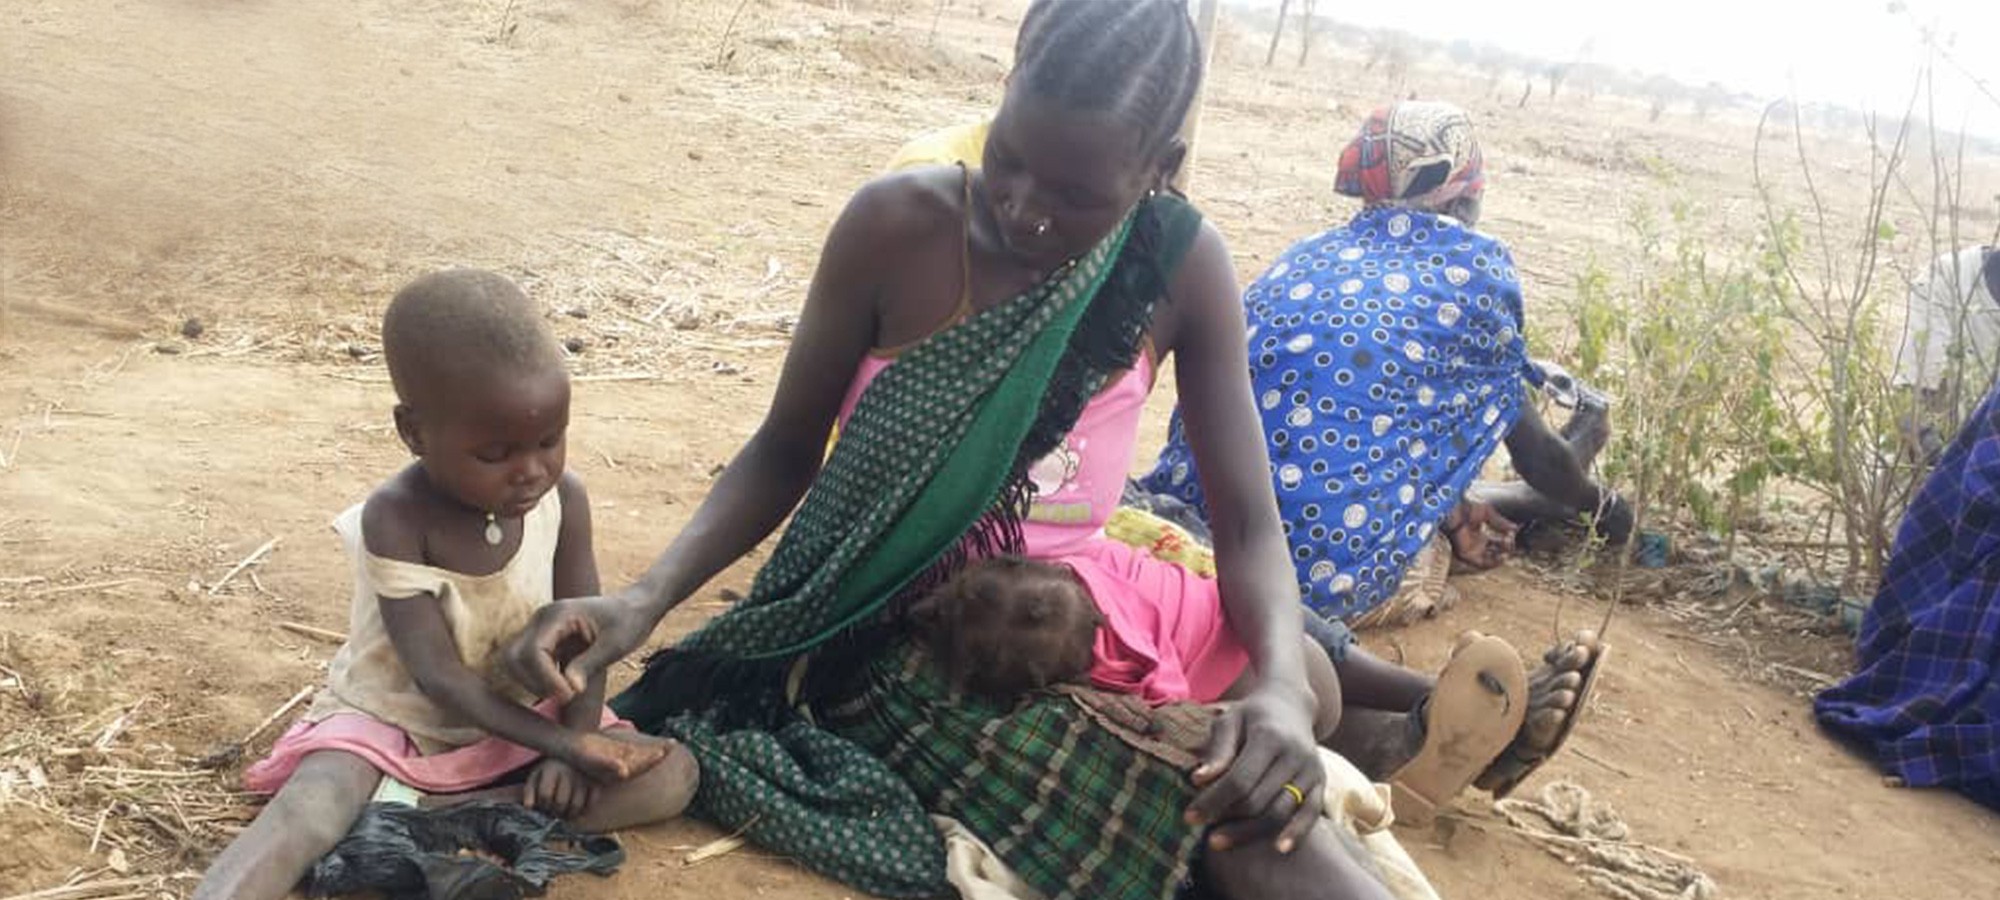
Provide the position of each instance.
(462, 324)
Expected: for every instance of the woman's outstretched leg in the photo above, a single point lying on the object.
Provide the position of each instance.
(1328, 864)
(310, 814)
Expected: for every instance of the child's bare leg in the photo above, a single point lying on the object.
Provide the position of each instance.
(309, 815)
(1324, 683)
(660, 793)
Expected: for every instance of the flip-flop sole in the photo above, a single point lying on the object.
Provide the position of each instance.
(1474, 713)
(1526, 768)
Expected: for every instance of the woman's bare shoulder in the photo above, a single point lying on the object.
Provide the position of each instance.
(909, 203)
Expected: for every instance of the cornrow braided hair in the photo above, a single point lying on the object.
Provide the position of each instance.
(1140, 60)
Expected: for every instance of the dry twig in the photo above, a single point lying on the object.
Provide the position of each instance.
(88, 586)
(318, 634)
(278, 713)
(94, 890)
(248, 561)
(721, 846)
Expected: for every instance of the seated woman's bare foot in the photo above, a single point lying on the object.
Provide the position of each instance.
(1555, 692)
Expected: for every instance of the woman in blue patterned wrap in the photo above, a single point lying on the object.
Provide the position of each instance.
(1388, 363)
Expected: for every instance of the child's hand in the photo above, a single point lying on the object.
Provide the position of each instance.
(559, 790)
(608, 760)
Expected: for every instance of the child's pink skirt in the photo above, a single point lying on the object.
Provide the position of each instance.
(390, 750)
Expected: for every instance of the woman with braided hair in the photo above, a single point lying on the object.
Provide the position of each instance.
(984, 338)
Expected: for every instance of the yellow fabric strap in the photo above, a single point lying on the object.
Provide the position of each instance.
(943, 147)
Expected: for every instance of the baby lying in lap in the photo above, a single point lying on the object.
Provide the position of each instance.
(1007, 626)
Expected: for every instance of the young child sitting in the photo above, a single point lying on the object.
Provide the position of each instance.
(1007, 626)
(451, 557)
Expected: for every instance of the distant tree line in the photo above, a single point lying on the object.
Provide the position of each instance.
(1393, 54)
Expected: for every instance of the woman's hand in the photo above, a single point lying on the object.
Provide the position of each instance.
(1261, 774)
(1479, 536)
(569, 641)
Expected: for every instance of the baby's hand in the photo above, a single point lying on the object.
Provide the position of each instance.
(608, 760)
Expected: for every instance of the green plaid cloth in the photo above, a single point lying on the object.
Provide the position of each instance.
(1072, 808)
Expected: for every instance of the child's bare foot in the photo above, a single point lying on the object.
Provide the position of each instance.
(608, 760)
(661, 793)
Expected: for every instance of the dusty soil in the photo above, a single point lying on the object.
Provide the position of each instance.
(659, 172)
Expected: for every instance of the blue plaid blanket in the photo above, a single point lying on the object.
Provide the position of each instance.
(1925, 697)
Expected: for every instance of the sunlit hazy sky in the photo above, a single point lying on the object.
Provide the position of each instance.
(1855, 52)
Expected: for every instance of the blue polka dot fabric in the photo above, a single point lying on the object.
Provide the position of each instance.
(1388, 363)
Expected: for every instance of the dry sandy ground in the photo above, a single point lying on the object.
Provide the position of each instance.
(660, 173)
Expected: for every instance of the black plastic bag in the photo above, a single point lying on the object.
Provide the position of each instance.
(408, 853)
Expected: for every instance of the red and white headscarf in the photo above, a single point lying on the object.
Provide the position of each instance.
(1415, 153)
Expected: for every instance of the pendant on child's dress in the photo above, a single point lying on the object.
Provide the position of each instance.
(493, 533)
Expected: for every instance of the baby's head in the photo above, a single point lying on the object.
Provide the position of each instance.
(482, 396)
(1007, 626)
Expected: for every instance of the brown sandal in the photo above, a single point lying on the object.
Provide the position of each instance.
(1472, 715)
(1514, 764)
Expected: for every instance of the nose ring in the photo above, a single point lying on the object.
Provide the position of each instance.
(1041, 227)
